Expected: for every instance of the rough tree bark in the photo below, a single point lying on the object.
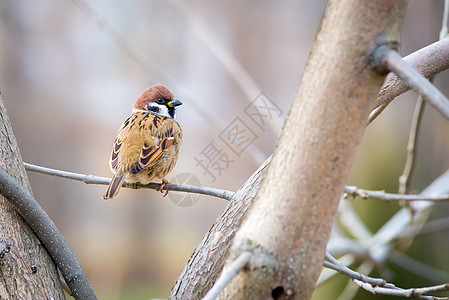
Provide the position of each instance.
(27, 271)
(289, 223)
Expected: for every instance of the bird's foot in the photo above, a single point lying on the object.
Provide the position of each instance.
(163, 184)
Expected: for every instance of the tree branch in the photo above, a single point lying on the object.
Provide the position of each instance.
(410, 163)
(91, 179)
(228, 273)
(332, 263)
(391, 59)
(408, 293)
(379, 285)
(49, 235)
(353, 191)
(429, 61)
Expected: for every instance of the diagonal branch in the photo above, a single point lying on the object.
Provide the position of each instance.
(429, 61)
(410, 163)
(49, 235)
(228, 273)
(391, 59)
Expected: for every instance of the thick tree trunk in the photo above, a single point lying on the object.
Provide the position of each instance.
(289, 223)
(27, 271)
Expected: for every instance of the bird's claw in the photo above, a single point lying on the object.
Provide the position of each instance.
(163, 184)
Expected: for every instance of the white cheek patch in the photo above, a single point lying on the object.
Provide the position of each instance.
(158, 109)
(164, 111)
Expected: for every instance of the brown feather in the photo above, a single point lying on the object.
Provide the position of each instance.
(114, 187)
(145, 152)
(151, 94)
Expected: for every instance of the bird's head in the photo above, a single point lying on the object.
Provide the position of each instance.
(157, 99)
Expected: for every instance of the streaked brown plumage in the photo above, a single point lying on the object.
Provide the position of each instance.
(147, 143)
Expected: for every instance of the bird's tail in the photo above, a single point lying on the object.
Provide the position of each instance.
(114, 187)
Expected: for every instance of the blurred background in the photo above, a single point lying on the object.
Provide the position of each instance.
(71, 70)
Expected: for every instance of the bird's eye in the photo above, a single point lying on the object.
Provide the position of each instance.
(160, 100)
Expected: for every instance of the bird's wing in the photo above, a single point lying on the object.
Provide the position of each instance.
(115, 152)
(159, 137)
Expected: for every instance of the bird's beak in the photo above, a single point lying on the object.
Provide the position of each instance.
(174, 102)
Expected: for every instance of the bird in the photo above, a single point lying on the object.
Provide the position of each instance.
(147, 144)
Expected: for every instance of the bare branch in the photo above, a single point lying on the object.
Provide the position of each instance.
(332, 263)
(227, 275)
(327, 273)
(391, 59)
(405, 178)
(428, 290)
(48, 234)
(429, 61)
(350, 289)
(409, 293)
(91, 179)
(353, 191)
(380, 286)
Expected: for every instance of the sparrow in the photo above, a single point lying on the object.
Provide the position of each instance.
(147, 143)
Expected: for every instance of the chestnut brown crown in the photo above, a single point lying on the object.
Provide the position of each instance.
(152, 94)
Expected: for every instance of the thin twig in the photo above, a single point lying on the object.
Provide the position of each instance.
(391, 59)
(410, 163)
(379, 285)
(234, 268)
(353, 191)
(332, 263)
(91, 179)
(408, 293)
(49, 235)
(326, 273)
(350, 289)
